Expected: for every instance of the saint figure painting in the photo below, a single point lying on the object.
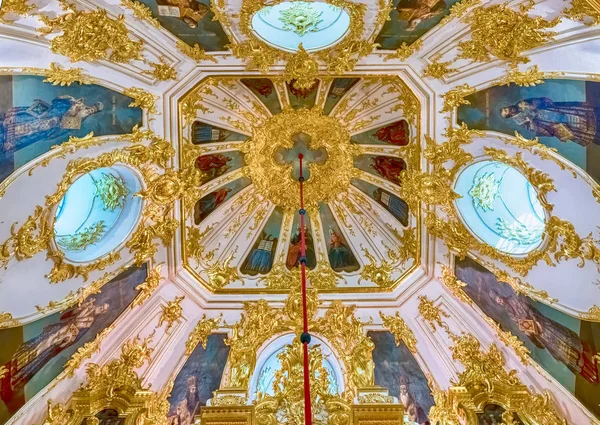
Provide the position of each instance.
(563, 345)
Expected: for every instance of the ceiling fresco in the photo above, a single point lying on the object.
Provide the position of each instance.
(242, 224)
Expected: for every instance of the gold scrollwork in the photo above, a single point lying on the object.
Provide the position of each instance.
(583, 11)
(161, 70)
(437, 69)
(201, 332)
(402, 333)
(16, 7)
(148, 286)
(405, 51)
(532, 77)
(171, 312)
(456, 97)
(142, 98)
(141, 11)
(91, 36)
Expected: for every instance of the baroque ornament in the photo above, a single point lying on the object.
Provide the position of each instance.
(398, 328)
(171, 312)
(16, 7)
(83, 238)
(201, 332)
(504, 33)
(112, 191)
(58, 76)
(300, 18)
(91, 36)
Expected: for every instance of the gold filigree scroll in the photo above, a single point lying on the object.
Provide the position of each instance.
(398, 328)
(115, 385)
(583, 11)
(195, 52)
(15, 7)
(504, 33)
(485, 381)
(201, 332)
(162, 71)
(456, 97)
(91, 36)
(405, 51)
(141, 11)
(59, 76)
(148, 286)
(171, 312)
(437, 69)
(532, 77)
(432, 314)
(142, 98)
(454, 284)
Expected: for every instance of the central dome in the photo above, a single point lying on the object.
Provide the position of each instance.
(315, 25)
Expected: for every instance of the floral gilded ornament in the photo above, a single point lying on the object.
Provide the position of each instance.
(148, 287)
(142, 98)
(484, 191)
(504, 33)
(162, 71)
(58, 76)
(402, 333)
(583, 11)
(437, 69)
(529, 78)
(201, 332)
(171, 313)
(141, 11)
(91, 36)
(16, 7)
(300, 18)
(83, 238)
(432, 313)
(455, 285)
(112, 191)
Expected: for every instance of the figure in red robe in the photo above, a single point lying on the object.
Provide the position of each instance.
(389, 168)
(213, 165)
(209, 203)
(396, 133)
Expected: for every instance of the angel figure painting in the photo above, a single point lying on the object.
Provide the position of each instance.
(34, 116)
(563, 114)
(565, 346)
(34, 354)
(200, 376)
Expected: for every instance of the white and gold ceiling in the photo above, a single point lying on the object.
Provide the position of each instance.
(149, 210)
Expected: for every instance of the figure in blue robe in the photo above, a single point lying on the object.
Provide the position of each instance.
(261, 258)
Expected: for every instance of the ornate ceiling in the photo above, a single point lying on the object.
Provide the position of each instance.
(149, 198)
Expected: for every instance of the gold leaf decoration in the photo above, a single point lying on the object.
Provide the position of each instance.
(593, 314)
(221, 274)
(432, 313)
(91, 36)
(58, 76)
(171, 312)
(405, 51)
(529, 78)
(504, 33)
(456, 97)
(458, 9)
(398, 328)
(379, 274)
(454, 284)
(510, 340)
(195, 52)
(84, 352)
(148, 287)
(142, 98)
(201, 332)
(437, 69)
(301, 69)
(17, 7)
(7, 321)
(583, 11)
(162, 71)
(141, 11)
(3, 371)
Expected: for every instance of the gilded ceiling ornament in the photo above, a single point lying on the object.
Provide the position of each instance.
(504, 33)
(148, 287)
(32, 237)
(402, 333)
(326, 180)
(142, 98)
(583, 11)
(485, 381)
(141, 11)
(281, 278)
(83, 238)
(593, 314)
(456, 97)
(171, 312)
(484, 191)
(228, 400)
(458, 10)
(301, 69)
(83, 353)
(300, 18)
(455, 285)
(201, 332)
(162, 71)
(63, 270)
(529, 78)
(375, 398)
(510, 340)
(193, 102)
(91, 36)
(379, 274)
(437, 69)
(194, 246)
(405, 51)
(425, 187)
(196, 52)
(16, 7)
(112, 191)
(58, 76)
(323, 276)
(7, 321)
(432, 314)
(534, 147)
(221, 274)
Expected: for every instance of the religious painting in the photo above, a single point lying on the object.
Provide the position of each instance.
(302, 98)
(217, 164)
(339, 87)
(340, 255)
(563, 345)
(392, 203)
(190, 20)
(260, 258)
(384, 166)
(564, 114)
(493, 414)
(200, 376)
(294, 248)
(207, 133)
(34, 354)
(264, 89)
(34, 116)
(397, 370)
(410, 19)
(207, 204)
(396, 133)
